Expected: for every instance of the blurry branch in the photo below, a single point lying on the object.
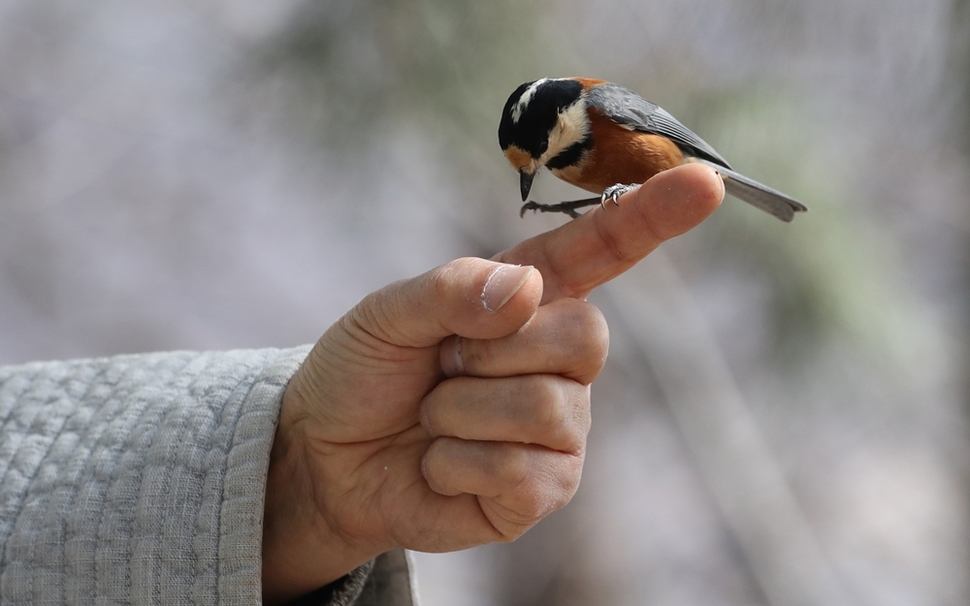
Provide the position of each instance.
(729, 449)
(343, 71)
(811, 268)
(344, 81)
(839, 271)
(959, 71)
(959, 68)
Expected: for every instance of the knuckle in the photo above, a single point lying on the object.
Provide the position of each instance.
(532, 508)
(561, 411)
(441, 278)
(609, 240)
(586, 339)
(549, 408)
(581, 419)
(512, 468)
(569, 479)
(446, 277)
(548, 490)
(594, 338)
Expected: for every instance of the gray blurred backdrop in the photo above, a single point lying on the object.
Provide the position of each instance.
(783, 416)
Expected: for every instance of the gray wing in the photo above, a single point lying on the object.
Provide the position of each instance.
(630, 109)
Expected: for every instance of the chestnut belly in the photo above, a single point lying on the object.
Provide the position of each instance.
(628, 159)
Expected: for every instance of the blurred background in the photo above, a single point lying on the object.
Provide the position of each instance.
(783, 416)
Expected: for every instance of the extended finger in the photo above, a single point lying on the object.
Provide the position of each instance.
(604, 242)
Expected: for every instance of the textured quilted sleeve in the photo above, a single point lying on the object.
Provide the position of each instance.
(137, 479)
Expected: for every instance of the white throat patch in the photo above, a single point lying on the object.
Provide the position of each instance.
(571, 128)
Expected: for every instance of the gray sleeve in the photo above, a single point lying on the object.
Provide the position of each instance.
(137, 479)
(140, 480)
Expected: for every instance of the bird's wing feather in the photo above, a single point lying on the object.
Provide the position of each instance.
(624, 106)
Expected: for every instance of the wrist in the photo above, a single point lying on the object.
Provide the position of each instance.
(302, 550)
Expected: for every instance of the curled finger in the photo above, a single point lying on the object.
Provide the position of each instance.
(518, 484)
(548, 410)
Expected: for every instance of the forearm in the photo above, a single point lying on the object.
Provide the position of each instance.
(138, 477)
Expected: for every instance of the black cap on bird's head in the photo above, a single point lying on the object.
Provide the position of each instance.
(540, 121)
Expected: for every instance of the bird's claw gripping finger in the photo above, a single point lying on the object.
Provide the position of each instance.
(614, 192)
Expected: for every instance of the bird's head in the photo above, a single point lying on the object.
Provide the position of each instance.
(544, 123)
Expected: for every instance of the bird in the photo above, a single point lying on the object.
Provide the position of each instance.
(608, 140)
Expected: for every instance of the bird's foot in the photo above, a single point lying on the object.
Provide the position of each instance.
(568, 208)
(614, 192)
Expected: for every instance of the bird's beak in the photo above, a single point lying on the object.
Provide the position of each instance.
(525, 183)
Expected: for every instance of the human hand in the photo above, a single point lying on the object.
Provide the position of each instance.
(397, 433)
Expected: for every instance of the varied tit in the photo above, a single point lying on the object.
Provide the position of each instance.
(607, 139)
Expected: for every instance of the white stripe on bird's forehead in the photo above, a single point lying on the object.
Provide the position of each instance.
(525, 99)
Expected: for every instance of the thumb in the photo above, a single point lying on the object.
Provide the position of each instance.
(470, 297)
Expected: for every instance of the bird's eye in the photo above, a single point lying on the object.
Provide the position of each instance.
(542, 148)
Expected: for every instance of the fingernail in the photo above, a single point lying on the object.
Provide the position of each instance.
(502, 285)
(425, 421)
(452, 364)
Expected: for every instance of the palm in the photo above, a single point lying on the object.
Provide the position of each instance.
(367, 451)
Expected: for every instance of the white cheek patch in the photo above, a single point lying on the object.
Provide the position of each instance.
(571, 128)
(525, 99)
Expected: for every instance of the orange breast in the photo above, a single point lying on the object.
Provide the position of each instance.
(620, 156)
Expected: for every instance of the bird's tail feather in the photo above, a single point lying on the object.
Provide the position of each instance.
(767, 199)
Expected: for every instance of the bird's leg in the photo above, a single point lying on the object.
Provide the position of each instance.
(613, 192)
(568, 208)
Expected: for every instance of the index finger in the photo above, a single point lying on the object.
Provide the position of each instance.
(605, 242)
